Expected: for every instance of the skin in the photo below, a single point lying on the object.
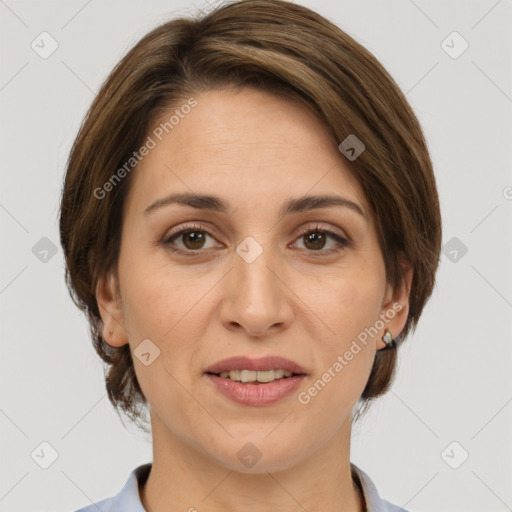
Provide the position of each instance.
(255, 150)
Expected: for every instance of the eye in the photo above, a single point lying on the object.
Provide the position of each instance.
(316, 238)
(193, 238)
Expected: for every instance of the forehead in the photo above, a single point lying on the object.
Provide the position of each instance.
(244, 145)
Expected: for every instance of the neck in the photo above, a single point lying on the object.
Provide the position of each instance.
(184, 478)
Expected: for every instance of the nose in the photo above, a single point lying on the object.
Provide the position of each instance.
(257, 297)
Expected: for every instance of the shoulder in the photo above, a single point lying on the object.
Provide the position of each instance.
(374, 503)
(128, 499)
(104, 505)
(391, 507)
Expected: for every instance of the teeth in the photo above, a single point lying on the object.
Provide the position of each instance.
(253, 376)
(249, 375)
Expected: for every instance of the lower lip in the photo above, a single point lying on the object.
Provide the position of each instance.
(256, 394)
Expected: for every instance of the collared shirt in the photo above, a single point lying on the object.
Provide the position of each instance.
(128, 499)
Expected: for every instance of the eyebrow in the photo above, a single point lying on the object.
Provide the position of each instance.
(217, 204)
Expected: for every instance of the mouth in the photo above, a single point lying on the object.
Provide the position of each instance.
(251, 369)
(255, 377)
(256, 381)
(256, 388)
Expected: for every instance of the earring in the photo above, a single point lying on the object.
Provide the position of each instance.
(110, 332)
(388, 339)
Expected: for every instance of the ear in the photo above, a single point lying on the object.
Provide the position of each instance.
(109, 304)
(395, 306)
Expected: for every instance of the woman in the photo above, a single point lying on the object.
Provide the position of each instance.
(251, 222)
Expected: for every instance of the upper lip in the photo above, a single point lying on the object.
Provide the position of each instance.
(255, 364)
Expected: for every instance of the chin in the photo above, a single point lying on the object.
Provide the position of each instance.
(257, 455)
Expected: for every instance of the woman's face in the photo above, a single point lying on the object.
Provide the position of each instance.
(249, 280)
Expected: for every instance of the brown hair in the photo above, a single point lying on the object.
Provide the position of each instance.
(282, 48)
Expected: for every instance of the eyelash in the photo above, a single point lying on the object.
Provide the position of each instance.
(167, 241)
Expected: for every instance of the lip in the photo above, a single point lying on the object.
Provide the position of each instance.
(256, 394)
(255, 364)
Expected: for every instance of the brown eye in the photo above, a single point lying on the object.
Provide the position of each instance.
(192, 239)
(315, 240)
(188, 241)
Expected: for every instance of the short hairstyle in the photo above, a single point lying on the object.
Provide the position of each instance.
(282, 48)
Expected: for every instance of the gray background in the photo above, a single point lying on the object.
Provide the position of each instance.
(454, 378)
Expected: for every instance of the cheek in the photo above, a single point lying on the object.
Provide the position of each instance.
(153, 296)
(165, 309)
(150, 305)
(349, 306)
(167, 306)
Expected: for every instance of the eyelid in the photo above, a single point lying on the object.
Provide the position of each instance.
(190, 227)
(185, 228)
(318, 226)
(309, 227)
